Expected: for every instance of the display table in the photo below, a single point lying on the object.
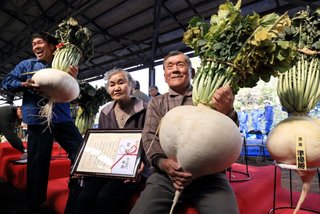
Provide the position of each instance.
(291, 205)
(239, 176)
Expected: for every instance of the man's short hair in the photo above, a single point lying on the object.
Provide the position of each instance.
(175, 53)
(46, 37)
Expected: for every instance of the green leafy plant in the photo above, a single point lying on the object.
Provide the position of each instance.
(237, 50)
(298, 87)
(75, 43)
(89, 102)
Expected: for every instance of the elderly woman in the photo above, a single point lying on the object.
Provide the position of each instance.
(108, 195)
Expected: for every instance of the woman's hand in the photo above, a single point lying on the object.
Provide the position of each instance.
(140, 170)
(179, 178)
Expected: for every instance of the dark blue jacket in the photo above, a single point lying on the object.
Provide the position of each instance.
(32, 102)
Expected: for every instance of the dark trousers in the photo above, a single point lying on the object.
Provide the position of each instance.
(106, 195)
(40, 141)
(209, 194)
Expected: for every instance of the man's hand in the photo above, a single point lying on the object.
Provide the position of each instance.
(179, 178)
(223, 99)
(31, 85)
(28, 84)
(73, 71)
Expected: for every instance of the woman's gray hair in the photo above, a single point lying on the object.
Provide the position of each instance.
(114, 71)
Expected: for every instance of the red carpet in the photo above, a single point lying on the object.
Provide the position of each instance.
(254, 196)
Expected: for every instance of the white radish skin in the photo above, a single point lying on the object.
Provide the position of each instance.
(203, 141)
(57, 85)
(281, 141)
(281, 144)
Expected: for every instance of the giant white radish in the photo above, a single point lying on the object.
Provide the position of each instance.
(75, 42)
(281, 141)
(295, 141)
(203, 141)
(57, 86)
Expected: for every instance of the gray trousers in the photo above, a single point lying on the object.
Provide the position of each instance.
(209, 194)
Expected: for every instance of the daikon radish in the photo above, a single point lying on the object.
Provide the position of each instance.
(281, 144)
(296, 140)
(281, 141)
(56, 85)
(202, 140)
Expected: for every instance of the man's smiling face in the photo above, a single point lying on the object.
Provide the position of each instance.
(177, 73)
(42, 50)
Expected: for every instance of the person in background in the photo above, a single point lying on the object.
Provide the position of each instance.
(136, 92)
(257, 116)
(109, 195)
(243, 121)
(209, 194)
(153, 91)
(268, 115)
(11, 117)
(41, 137)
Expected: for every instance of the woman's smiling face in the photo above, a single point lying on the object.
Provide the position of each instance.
(118, 87)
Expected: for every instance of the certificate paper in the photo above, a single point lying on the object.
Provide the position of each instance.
(109, 153)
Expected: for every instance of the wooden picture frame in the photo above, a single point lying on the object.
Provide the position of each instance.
(109, 153)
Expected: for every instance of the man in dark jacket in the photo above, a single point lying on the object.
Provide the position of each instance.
(11, 116)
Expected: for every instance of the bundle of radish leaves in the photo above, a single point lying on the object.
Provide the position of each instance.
(235, 50)
(295, 141)
(89, 101)
(75, 43)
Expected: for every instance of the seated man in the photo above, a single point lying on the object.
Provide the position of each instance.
(209, 194)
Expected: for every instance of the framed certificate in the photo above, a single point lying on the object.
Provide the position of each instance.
(109, 153)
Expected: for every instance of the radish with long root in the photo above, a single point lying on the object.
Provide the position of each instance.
(295, 141)
(215, 142)
(56, 85)
(236, 51)
(75, 42)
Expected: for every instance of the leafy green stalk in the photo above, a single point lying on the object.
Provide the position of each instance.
(89, 102)
(66, 56)
(75, 44)
(242, 49)
(298, 87)
(298, 94)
